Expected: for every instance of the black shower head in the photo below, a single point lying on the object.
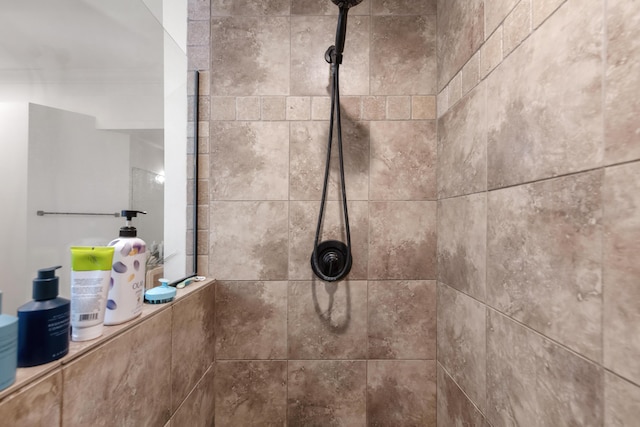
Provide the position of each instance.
(346, 3)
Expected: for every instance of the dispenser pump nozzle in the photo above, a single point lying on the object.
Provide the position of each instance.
(45, 286)
(128, 230)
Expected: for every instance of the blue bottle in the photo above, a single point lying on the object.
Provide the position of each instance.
(43, 324)
(8, 348)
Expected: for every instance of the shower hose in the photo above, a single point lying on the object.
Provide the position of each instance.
(331, 260)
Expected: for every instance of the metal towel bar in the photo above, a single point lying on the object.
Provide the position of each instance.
(43, 213)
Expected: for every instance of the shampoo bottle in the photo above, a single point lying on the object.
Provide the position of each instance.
(8, 348)
(126, 291)
(43, 324)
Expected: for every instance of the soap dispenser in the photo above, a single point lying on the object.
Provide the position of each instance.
(43, 324)
(126, 291)
(8, 348)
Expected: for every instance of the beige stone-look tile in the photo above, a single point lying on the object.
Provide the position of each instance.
(199, 10)
(402, 319)
(403, 160)
(621, 402)
(223, 108)
(423, 107)
(315, 7)
(491, 53)
(374, 108)
(192, 342)
(442, 101)
(327, 393)
(250, 8)
(532, 381)
(398, 107)
(462, 244)
(516, 27)
(250, 55)
(351, 108)
(198, 407)
(622, 80)
(462, 341)
(403, 7)
(251, 320)
(37, 405)
(308, 157)
(251, 394)
(542, 9)
(545, 100)
(249, 240)
(298, 108)
(320, 108)
(198, 58)
(327, 320)
(249, 161)
(460, 34)
(310, 38)
(455, 89)
(471, 73)
(495, 11)
(403, 57)
(401, 393)
(303, 221)
(462, 146)
(248, 108)
(198, 33)
(544, 241)
(138, 362)
(454, 407)
(402, 240)
(621, 270)
(274, 108)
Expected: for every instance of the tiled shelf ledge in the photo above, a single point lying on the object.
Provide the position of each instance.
(26, 376)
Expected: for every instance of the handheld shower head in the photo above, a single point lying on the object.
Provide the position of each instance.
(346, 3)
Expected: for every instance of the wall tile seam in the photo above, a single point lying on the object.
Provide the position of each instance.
(501, 22)
(463, 391)
(193, 390)
(546, 18)
(476, 299)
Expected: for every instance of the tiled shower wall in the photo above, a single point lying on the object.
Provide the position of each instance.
(538, 212)
(290, 349)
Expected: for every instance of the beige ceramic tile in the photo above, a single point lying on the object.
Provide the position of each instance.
(274, 108)
(403, 160)
(251, 394)
(314, 7)
(310, 38)
(308, 157)
(249, 240)
(138, 362)
(460, 34)
(198, 407)
(622, 106)
(621, 402)
(403, 60)
(423, 107)
(491, 53)
(398, 107)
(248, 108)
(320, 108)
(249, 8)
(494, 12)
(455, 89)
(542, 9)
(192, 342)
(251, 320)
(223, 108)
(198, 58)
(443, 101)
(454, 408)
(298, 108)
(327, 393)
(545, 100)
(462, 146)
(302, 230)
(402, 320)
(351, 108)
(37, 405)
(462, 341)
(544, 243)
(327, 320)
(250, 55)
(374, 108)
(198, 33)
(199, 10)
(401, 393)
(534, 382)
(403, 7)
(249, 161)
(622, 270)
(462, 243)
(471, 73)
(517, 26)
(402, 240)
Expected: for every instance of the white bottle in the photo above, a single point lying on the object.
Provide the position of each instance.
(126, 290)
